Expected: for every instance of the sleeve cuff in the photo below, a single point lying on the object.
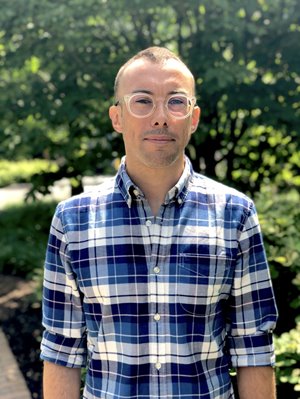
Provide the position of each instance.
(249, 351)
(68, 352)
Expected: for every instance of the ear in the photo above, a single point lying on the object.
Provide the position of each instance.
(116, 118)
(195, 118)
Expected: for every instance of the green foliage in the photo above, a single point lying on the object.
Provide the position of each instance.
(288, 357)
(280, 219)
(22, 171)
(24, 233)
(58, 62)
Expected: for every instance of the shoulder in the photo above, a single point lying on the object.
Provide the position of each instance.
(218, 192)
(90, 199)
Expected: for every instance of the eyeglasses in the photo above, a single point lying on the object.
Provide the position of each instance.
(142, 105)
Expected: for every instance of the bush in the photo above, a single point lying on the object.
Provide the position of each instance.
(22, 171)
(288, 357)
(24, 233)
(280, 219)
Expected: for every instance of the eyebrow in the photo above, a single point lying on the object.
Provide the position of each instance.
(145, 91)
(142, 91)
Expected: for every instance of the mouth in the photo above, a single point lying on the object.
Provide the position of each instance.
(159, 137)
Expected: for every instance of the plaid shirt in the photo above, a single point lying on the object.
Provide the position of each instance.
(157, 307)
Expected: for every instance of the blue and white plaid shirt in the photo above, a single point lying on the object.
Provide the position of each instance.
(158, 307)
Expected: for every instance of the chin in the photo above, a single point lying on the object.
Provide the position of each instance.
(163, 161)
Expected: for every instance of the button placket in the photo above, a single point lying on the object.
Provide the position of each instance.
(154, 228)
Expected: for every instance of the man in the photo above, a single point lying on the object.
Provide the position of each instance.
(158, 280)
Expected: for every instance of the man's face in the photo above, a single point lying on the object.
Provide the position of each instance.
(158, 140)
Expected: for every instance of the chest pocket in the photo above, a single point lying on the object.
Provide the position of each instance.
(202, 281)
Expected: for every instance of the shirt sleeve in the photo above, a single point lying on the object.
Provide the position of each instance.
(252, 311)
(64, 338)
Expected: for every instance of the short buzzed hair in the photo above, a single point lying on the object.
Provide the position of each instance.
(157, 55)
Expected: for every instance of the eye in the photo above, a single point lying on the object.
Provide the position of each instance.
(178, 101)
(143, 100)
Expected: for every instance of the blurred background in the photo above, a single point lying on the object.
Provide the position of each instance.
(58, 60)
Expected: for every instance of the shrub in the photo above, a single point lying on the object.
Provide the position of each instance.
(280, 219)
(288, 357)
(24, 233)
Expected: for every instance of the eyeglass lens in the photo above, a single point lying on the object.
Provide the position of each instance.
(144, 104)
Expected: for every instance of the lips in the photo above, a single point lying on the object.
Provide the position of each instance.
(159, 139)
(159, 136)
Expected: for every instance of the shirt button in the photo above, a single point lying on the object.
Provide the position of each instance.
(157, 317)
(148, 223)
(136, 193)
(156, 269)
(158, 366)
(179, 201)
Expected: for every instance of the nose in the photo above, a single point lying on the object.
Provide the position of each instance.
(159, 118)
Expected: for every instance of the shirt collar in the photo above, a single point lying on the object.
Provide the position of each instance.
(132, 192)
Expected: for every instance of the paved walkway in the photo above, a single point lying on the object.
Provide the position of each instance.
(12, 383)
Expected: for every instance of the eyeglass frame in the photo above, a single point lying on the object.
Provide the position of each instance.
(127, 98)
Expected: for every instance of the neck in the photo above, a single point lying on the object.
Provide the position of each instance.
(155, 182)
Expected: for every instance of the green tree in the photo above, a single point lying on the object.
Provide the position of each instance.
(248, 89)
(58, 62)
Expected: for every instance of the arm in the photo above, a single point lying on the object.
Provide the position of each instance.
(252, 311)
(256, 383)
(61, 382)
(64, 339)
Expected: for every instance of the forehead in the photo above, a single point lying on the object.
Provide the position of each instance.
(142, 74)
